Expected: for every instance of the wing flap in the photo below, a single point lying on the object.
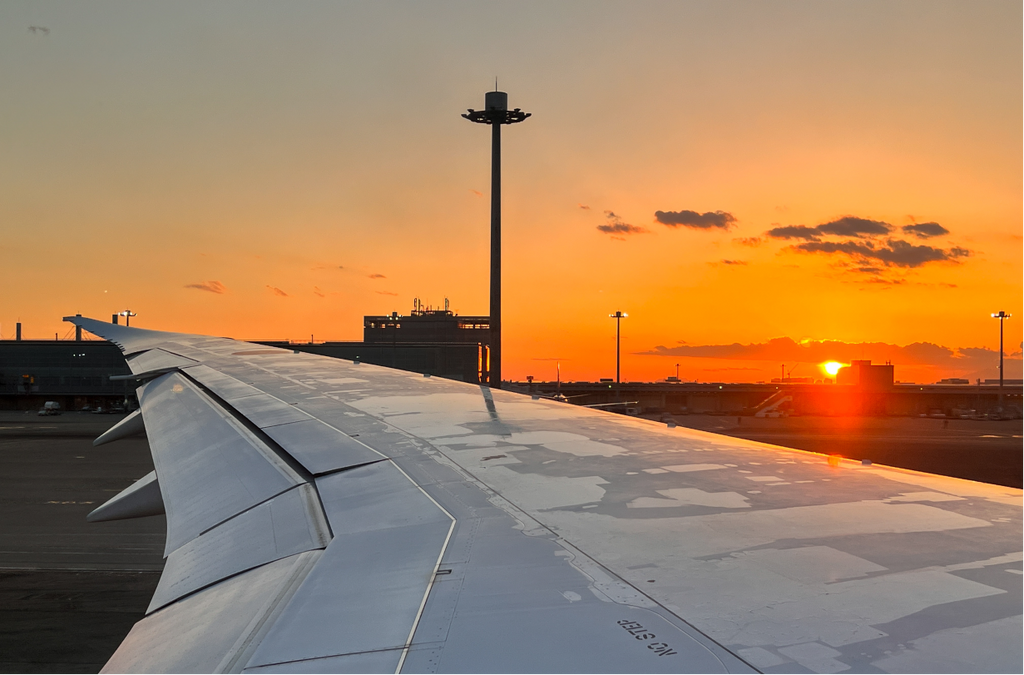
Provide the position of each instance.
(366, 592)
(258, 407)
(283, 526)
(209, 631)
(155, 360)
(321, 448)
(209, 465)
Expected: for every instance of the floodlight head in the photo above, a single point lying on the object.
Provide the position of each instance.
(495, 110)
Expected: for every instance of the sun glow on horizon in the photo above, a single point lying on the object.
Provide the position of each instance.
(832, 367)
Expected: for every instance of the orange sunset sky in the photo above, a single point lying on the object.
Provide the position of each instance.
(744, 179)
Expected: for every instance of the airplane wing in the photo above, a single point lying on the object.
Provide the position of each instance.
(330, 516)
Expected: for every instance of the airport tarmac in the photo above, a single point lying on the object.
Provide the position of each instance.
(69, 590)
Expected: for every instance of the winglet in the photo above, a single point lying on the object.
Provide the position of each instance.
(141, 498)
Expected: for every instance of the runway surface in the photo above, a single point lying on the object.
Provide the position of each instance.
(69, 590)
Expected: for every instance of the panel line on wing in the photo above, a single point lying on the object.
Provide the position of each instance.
(433, 574)
(282, 454)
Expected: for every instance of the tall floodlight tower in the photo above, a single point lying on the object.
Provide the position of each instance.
(495, 113)
(127, 314)
(618, 316)
(1002, 316)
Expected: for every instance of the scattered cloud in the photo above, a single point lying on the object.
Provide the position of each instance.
(210, 286)
(477, 193)
(584, 207)
(925, 230)
(734, 262)
(794, 232)
(752, 242)
(621, 228)
(385, 293)
(317, 292)
(616, 226)
(894, 252)
(858, 239)
(708, 220)
(851, 226)
(376, 276)
(847, 226)
(277, 291)
(39, 30)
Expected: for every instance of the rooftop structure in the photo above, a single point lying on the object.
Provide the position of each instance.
(426, 324)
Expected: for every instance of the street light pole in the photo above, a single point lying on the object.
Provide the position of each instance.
(618, 316)
(1002, 316)
(495, 113)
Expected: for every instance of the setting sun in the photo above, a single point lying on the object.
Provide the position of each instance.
(832, 367)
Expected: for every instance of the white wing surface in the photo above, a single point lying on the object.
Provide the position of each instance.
(328, 516)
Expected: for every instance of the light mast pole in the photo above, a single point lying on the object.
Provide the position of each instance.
(1002, 316)
(618, 316)
(495, 113)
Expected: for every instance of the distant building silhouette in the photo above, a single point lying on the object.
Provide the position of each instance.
(427, 325)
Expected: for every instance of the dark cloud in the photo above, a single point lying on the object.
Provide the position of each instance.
(752, 242)
(209, 286)
(621, 228)
(277, 291)
(795, 232)
(850, 226)
(709, 220)
(615, 226)
(584, 207)
(895, 252)
(317, 292)
(376, 276)
(925, 230)
(734, 262)
(385, 293)
(39, 30)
